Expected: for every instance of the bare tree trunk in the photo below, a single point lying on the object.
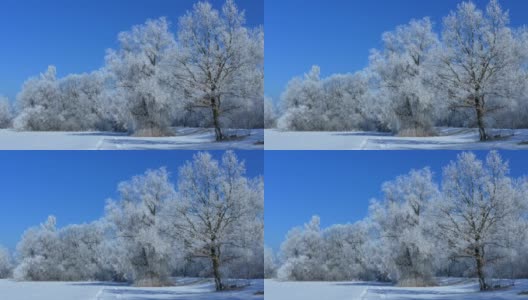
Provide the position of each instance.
(480, 120)
(480, 272)
(216, 270)
(216, 121)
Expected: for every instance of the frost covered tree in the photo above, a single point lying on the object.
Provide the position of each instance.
(79, 97)
(71, 103)
(6, 115)
(141, 228)
(314, 103)
(83, 252)
(38, 103)
(403, 219)
(339, 252)
(345, 96)
(39, 253)
(347, 245)
(512, 262)
(403, 68)
(73, 253)
(300, 99)
(139, 69)
(479, 63)
(112, 108)
(219, 211)
(6, 263)
(478, 201)
(302, 253)
(218, 62)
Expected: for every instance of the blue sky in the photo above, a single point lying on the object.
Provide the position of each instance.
(74, 185)
(338, 34)
(338, 185)
(74, 35)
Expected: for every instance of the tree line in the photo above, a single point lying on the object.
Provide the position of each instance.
(210, 74)
(209, 223)
(474, 74)
(474, 224)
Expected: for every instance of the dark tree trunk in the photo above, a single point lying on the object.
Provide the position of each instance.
(216, 270)
(216, 121)
(480, 120)
(480, 270)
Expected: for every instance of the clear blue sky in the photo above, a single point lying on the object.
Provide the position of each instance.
(74, 185)
(338, 185)
(338, 34)
(74, 35)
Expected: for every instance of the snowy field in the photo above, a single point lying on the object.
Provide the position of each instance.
(447, 138)
(184, 138)
(460, 289)
(199, 290)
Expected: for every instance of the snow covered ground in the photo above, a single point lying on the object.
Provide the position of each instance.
(184, 138)
(198, 289)
(447, 138)
(461, 289)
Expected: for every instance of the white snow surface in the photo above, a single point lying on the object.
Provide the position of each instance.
(459, 288)
(446, 138)
(184, 138)
(198, 289)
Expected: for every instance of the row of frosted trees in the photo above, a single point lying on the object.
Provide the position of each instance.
(210, 74)
(208, 224)
(473, 225)
(475, 74)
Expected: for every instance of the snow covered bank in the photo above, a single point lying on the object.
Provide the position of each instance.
(184, 138)
(198, 290)
(193, 289)
(447, 139)
(454, 289)
(14, 290)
